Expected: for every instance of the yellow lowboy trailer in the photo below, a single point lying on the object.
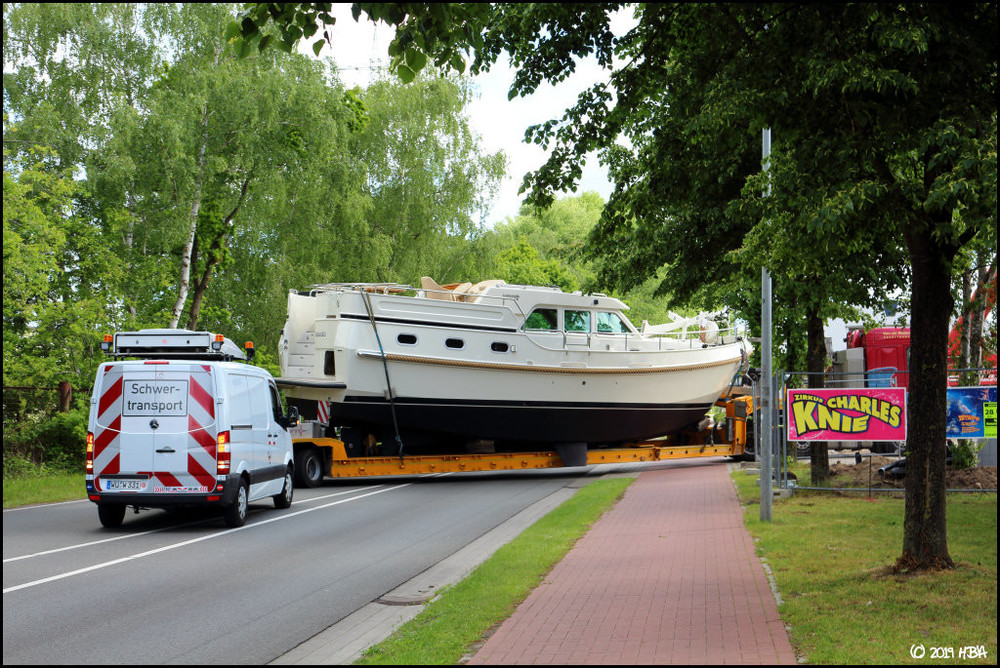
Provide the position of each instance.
(316, 458)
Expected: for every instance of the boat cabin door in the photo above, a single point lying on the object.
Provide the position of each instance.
(576, 328)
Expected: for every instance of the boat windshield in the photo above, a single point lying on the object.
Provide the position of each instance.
(610, 323)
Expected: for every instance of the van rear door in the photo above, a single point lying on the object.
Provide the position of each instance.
(165, 414)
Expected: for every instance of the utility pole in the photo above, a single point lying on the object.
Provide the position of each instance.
(766, 376)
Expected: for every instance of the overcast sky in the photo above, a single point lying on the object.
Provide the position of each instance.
(361, 46)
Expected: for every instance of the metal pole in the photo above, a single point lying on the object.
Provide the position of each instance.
(766, 396)
(767, 377)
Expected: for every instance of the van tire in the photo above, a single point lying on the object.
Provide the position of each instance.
(111, 514)
(236, 512)
(284, 500)
(309, 467)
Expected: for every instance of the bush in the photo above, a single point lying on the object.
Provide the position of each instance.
(42, 443)
(964, 454)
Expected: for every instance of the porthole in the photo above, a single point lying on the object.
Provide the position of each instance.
(499, 347)
(456, 344)
(408, 339)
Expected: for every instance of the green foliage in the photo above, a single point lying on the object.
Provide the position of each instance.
(38, 442)
(521, 264)
(439, 32)
(965, 453)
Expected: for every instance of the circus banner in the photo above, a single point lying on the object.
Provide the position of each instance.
(861, 414)
(972, 412)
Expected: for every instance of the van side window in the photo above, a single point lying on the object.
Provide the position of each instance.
(276, 409)
(542, 318)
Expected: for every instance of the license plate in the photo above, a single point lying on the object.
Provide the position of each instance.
(123, 485)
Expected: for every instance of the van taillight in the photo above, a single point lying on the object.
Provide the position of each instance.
(90, 452)
(223, 455)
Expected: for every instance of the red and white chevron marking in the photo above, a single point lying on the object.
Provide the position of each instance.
(199, 475)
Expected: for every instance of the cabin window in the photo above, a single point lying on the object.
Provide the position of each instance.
(457, 344)
(611, 323)
(499, 347)
(329, 365)
(542, 318)
(408, 339)
(576, 321)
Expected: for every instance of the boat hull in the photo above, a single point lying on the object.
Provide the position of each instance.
(514, 423)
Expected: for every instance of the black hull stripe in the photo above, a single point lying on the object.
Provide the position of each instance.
(519, 422)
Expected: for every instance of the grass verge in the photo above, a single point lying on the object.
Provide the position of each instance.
(47, 488)
(830, 554)
(454, 623)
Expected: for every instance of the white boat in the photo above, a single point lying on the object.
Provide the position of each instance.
(496, 366)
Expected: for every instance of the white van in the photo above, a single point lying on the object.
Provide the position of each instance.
(185, 425)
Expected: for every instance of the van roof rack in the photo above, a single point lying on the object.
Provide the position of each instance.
(172, 344)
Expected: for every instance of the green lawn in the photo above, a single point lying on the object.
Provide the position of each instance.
(28, 490)
(830, 556)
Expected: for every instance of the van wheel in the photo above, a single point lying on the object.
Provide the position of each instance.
(310, 468)
(284, 500)
(236, 512)
(111, 514)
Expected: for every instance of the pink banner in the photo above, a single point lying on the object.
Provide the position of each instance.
(862, 414)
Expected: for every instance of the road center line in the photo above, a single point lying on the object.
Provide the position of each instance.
(166, 548)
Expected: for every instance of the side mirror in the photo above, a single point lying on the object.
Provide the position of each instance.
(293, 417)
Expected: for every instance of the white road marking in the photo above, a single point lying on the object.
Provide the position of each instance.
(165, 548)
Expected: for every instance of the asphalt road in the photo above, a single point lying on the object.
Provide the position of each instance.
(183, 588)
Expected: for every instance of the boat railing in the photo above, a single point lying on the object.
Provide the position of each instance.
(443, 293)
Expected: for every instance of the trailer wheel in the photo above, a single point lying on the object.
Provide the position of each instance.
(111, 514)
(309, 467)
(284, 499)
(236, 512)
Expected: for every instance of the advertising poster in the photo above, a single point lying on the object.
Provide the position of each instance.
(855, 414)
(972, 412)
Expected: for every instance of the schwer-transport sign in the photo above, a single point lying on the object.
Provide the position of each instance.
(863, 414)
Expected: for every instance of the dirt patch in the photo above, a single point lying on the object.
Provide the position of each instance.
(867, 474)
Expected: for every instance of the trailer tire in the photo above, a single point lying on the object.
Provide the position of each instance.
(309, 467)
(111, 514)
(236, 512)
(284, 499)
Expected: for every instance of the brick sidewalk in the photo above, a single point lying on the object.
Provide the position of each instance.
(667, 576)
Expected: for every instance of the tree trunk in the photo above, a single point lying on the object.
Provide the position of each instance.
(925, 537)
(185, 278)
(213, 257)
(981, 308)
(819, 454)
(965, 333)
